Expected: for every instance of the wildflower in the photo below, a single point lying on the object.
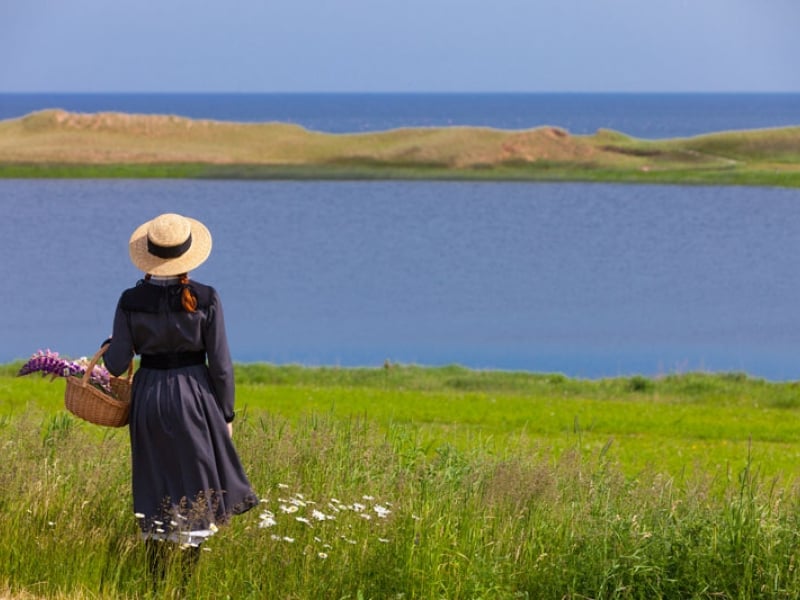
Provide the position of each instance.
(303, 520)
(139, 515)
(283, 486)
(368, 498)
(50, 363)
(213, 527)
(267, 520)
(381, 511)
(320, 516)
(289, 508)
(322, 555)
(383, 540)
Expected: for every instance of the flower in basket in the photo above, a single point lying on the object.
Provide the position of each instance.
(50, 363)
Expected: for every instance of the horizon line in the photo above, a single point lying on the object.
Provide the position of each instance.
(399, 93)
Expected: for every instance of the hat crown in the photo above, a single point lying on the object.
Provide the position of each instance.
(170, 244)
(169, 230)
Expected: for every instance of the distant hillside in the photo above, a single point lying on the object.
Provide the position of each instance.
(56, 142)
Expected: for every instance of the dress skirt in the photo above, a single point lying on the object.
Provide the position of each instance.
(187, 477)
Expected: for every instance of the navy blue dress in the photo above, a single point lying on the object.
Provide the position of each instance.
(187, 476)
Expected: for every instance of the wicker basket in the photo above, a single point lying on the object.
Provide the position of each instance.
(87, 402)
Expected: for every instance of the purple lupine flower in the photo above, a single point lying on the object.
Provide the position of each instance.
(50, 363)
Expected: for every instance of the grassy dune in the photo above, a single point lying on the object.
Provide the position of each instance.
(55, 143)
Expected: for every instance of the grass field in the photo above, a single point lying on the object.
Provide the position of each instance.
(55, 143)
(443, 483)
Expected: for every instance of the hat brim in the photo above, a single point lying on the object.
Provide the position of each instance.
(196, 255)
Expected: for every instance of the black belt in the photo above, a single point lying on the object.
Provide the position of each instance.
(173, 360)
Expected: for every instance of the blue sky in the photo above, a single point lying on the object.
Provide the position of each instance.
(399, 46)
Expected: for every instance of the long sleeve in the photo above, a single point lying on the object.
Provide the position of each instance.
(119, 354)
(220, 365)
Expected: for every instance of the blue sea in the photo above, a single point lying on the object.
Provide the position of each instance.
(589, 280)
(649, 116)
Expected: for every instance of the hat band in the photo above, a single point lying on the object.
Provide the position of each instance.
(169, 251)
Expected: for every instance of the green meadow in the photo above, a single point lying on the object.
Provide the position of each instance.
(409, 482)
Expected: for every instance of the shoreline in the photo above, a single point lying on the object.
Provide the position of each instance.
(246, 172)
(256, 371)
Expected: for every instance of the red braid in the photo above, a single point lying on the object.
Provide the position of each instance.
(188, 299)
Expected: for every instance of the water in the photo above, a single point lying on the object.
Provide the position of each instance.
(589, 280)
(649, 116)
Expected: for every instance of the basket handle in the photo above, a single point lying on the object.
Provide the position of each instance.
(93, 363)
(129, 378)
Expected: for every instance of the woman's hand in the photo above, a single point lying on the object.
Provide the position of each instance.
(230, 429)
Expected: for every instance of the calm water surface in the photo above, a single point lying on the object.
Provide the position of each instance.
(587, 280)
(648, 116)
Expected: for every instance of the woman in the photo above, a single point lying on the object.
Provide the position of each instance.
(187, 477)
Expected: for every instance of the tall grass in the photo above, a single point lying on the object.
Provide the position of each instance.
(396, 518)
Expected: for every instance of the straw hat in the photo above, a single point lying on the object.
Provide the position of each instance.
(170, 245)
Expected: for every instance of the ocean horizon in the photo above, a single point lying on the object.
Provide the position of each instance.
(646, 115)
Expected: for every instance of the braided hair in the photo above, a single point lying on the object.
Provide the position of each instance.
(188, 299)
